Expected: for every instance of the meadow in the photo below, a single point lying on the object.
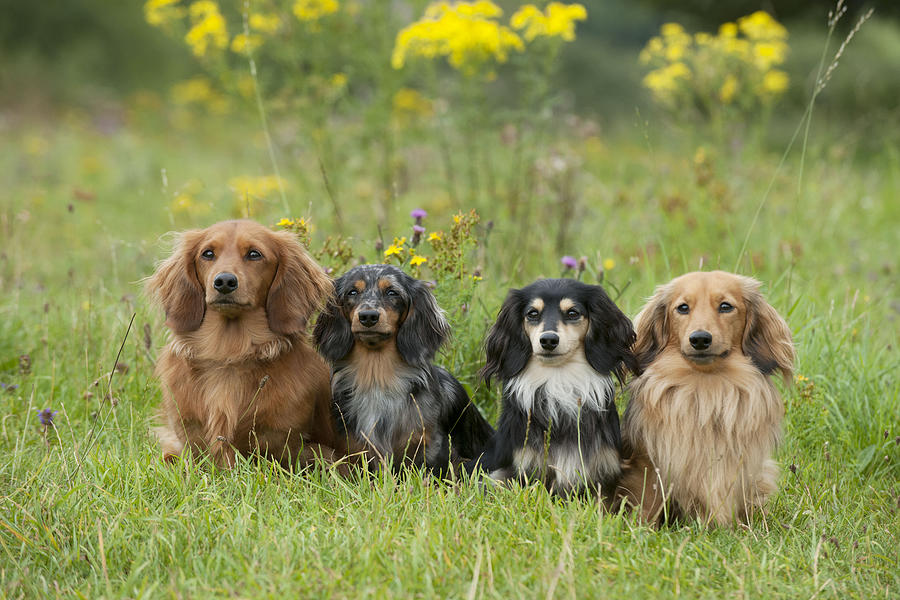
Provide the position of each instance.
(88, 509)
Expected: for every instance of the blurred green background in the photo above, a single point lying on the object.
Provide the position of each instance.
(92, 53)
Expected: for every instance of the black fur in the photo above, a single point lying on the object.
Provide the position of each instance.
(591, 434)
(426, 401)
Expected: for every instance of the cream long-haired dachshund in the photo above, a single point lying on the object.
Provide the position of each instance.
(238, 374)
(704, 417)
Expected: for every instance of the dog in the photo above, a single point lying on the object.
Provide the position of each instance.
(704, 418)
(381, 331)
(238, 374)
(557, 345)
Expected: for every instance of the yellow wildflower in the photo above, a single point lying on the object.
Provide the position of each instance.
(609, 264)
(393, 250)
(409, 102)
(434, 236)
(767, 54)
(313, 10)
(208, 28)
(557, 20)
(246, 43)
(728, 30)
(264, 23)
(285, 222)
(415, 261)
(199, 90)
(338, 80)
(728, 89)
(775, 82)
(761, 26)
(465, 33)
(162, 12)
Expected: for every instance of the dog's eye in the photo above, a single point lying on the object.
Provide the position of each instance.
(572, 314)
(208, 255)
(682, 309)
(532, 315)
(725, 308)
(254, 255)
(353, 293)
(392, 292)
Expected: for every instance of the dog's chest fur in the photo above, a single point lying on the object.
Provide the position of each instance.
(567, 444)
(382, 401)
(711, 435)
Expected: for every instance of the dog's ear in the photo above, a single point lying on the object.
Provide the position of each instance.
(332, 334)
(425, 327)
(176, 287)
(608, 343)
(767, 337)
(507, 347)
(652, 327)
(298, 289)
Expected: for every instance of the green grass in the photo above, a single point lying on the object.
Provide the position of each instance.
(87, 509)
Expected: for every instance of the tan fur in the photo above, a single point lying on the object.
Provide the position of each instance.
(700, 436)
(212, 368)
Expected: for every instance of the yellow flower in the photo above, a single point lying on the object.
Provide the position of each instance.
(415, 261)
(410, 103)
(285, 222)
(557, 20)
(767, 54)
(434, 236)
(313, 10)
(464, 32)
(162, 12)
(338, 80)
(728, 89)
(246, 43)
(775, 82)
(671, 30)
(264, 23)
(728, 30)
(761, 26)
(393, 250)
(609, 264)
(208, 28)
(456, 218)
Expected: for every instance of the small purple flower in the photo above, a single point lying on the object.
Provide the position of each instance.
(46, 417)
(9, 387)
(418, 229)
(418, 214)
(569, 262)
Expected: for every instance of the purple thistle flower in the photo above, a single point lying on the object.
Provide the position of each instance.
(569, 262)
(418, 214)
(46, 417)
(418, 229)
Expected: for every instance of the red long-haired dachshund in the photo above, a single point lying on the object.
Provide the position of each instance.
(704, 417)
(238, 374)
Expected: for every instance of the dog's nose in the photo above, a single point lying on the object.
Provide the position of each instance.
(549, 340)
(700, 340)
(225, 283)
(368, 318)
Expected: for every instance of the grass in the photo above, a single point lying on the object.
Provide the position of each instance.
(88, 509)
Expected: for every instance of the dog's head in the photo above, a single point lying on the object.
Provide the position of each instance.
(708, 316)
(376, 305)
(554, 319)
(234, 267)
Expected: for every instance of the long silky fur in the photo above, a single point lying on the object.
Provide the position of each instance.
(248, 384)
(699, 444)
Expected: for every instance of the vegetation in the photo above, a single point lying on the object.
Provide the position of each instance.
(508, 188)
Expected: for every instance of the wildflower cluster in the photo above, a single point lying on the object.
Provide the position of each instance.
(734, 68)
(472, 38)
(466, 33)
(557, 20)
